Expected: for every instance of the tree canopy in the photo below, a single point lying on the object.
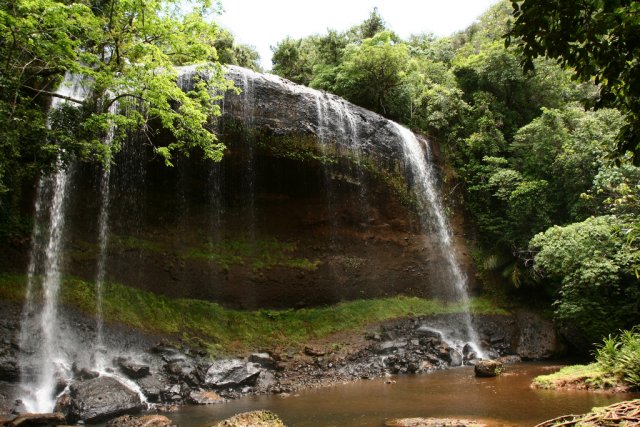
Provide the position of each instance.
(128, 52)
(599, 39)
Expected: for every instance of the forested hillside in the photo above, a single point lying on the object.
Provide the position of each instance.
(547, 184)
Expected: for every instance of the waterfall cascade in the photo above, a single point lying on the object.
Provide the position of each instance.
(103, 245)
(339, 129)
(40, 334)
(49, 343)
(422, 167)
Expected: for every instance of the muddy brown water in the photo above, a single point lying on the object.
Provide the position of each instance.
(504, 401)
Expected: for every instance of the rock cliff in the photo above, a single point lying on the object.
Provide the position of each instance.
(311, 205)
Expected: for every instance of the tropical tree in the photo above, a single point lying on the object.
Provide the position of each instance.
(598, 39)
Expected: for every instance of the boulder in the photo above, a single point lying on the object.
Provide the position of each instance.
(263, 359)
(133, 370)
(455, 358)
(99, 399)
(82, 374)
(509, 360)
(252, 419)
(538, 339)
(203, 397)
(469, 352)
(152, 386)
(33, 420)
(487, 368)
(232, 373)
(145, 421)
(432, 422)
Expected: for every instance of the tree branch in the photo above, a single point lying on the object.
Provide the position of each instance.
(55, 95)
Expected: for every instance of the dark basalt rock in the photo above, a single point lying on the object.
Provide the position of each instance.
(232, 373)
(282, 107)
(9, 370)
(133, 370)
(263, 359)
(487, 368)
(152, 387)
(99, 399)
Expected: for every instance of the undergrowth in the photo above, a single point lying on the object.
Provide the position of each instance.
(222, 330)
(619, 356)
(617, 363)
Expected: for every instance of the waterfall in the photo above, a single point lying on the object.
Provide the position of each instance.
(40, 336)
(334, 113)
(421, 163)
(103, 242)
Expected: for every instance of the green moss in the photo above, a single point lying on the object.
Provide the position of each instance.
(259, 254)
(590, 375)
(303, 148)
(12, 287)
(222, 330)
(138, 243)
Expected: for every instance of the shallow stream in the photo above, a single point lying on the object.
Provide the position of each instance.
(504, 401)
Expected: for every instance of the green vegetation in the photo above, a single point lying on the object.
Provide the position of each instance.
(575, 376)
(128, 53)
(597, 39)
(617, 363)
(594, 262)
(619, 357)
(259, 254)
(222, 330)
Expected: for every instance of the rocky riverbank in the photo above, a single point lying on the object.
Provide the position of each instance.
(149, 370)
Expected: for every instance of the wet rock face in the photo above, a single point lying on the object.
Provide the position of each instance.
(133, 370)
(274, 106)
(537, 338)
(99, 399)
(311, 205)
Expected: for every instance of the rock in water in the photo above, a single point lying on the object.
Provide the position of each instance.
(39, 420)
(252, 419)
(432, 422)
(488, 368)
(146, 421)
(203, 397)
(100, 398)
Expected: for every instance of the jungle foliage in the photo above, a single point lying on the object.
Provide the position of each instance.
(127, 52)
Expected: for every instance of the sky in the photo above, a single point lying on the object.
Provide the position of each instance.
(263, 23)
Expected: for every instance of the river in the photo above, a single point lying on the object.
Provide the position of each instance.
(504, 401)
